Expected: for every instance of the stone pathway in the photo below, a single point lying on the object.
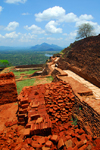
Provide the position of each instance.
(95, 89)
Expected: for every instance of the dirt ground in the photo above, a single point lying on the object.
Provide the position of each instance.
(7, 114)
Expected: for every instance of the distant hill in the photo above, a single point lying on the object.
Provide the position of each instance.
(46, 47)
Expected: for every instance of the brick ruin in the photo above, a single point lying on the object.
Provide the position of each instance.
(46, 112)
(52, 117)
(8, 91)
(35, 103)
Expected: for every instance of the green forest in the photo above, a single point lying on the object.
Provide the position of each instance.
(25, 57)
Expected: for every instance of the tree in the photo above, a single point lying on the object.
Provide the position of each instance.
(85, 30)
(5, 63)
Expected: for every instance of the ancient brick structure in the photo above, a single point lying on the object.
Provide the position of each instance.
(8, 91)
(32, 110)
(46, 112)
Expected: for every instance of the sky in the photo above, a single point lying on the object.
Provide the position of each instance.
(31, 22)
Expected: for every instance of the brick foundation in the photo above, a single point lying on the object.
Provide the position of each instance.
(8, 91)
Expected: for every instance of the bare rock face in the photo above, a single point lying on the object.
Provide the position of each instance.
(8, 91)
(85, 55)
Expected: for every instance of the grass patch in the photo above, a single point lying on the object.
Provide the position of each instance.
(18, 73)
(21, 84)
(74, 121)
(49, 78)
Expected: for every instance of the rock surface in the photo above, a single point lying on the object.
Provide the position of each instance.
(85, 56)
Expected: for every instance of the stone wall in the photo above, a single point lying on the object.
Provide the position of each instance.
(8, 91)
(87, 117)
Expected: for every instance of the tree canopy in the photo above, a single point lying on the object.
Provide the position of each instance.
(85, 30)
(5, 63)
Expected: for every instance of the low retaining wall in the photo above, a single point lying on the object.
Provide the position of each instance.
(8, 91)
(85, 76)
(87, 117)
(66, 66)
(30, 66)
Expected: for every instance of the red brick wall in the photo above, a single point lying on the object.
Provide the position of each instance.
(8, 91)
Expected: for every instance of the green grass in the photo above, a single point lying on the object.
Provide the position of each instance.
(74, 121)
(21, 84)
(49, 78)
(18, 73)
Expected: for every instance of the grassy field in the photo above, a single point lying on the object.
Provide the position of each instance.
(29, 81)
(21, 84)
(32, 82)
(19, 73)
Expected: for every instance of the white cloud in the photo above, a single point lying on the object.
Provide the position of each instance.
(1, 36)
(15, 1)
(85, 17)
(70, 17)
(35, 29)
(51, 38)
(25, 14)
(59, 39)
(1, 8)
(60, 15)
(51, 27)
(50, 13)
(27, 37)
(94, 24)
(11, 35)
(12, 26)
(71, 35)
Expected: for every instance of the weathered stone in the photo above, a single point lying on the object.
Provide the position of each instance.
(60, 143)
(68, 143)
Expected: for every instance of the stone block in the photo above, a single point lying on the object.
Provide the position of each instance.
(54, 138)
(48, 144)
(68, 143)
(23, 106)
(60, 143)
(26, 132)
(39, 120)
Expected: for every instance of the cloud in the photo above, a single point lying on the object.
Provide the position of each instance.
(51, 27)
(15, 1)
(71, 35)
(35, 29)
(52, 38)
(1, 36)
(59, 14)
(70, 17)
(50, 13)
(12, 26)
(85, 17)
(1, 27)
(11, 35)
(24, 14)
(1, 8)
(94, 24)
(27, 37)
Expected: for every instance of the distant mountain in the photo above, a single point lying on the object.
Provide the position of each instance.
(46, 47)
